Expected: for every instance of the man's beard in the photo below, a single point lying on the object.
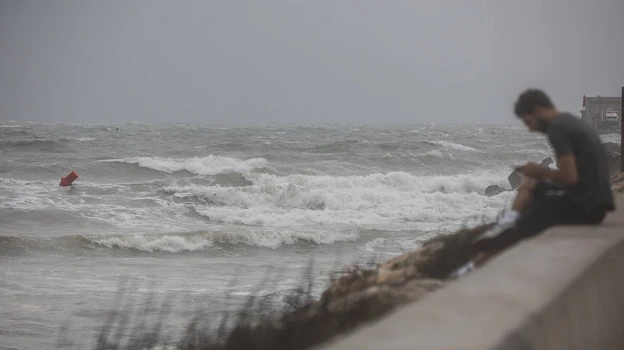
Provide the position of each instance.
(542, 126)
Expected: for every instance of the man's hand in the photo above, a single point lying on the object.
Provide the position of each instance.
(565, 175)
(531, 169)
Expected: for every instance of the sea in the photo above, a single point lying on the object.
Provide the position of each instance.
(206, 216)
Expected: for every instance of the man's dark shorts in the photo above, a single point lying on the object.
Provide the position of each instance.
(550, 207)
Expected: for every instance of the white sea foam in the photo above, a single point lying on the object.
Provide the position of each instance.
(30, 195)
(198, 241)
(271, 211)
(209, 165)
(83, 139)
(616, 138)
(152, 243)
(275, 238)
(380, 200)
(451, 145)
(117, 208)
(374, 244)
(433, 153)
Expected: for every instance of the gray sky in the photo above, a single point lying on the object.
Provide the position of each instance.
(292, 61)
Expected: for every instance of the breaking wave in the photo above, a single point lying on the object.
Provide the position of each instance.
(169, 243)
(433, 153)
(261, 209)
(451, 145)
(154, 243)
(210, 165)
(392, 200)
(199, 241)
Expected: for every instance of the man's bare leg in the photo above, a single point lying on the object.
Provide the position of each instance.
(524, 197)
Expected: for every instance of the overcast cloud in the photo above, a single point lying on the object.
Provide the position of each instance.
(351, 61)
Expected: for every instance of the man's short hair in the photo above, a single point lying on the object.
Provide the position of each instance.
(528, 100)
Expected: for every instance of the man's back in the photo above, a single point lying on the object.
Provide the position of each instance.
(570, 135)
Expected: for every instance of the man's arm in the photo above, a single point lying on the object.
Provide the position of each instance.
(566, 174)
(561, 140)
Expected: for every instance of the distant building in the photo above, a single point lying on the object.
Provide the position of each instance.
(604, 113)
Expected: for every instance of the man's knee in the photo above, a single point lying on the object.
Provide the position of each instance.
(543, 213)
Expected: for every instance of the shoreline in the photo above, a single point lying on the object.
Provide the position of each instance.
(356, 296)
(361, 295)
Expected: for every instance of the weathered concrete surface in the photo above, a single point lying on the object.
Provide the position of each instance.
(561, 290)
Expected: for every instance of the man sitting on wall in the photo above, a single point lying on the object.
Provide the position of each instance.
(577, 193)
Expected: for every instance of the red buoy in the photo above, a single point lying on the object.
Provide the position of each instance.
(67, 180)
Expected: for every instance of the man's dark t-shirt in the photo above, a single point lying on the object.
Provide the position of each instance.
(570, 135)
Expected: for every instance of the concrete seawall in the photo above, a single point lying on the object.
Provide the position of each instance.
(561, 290)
